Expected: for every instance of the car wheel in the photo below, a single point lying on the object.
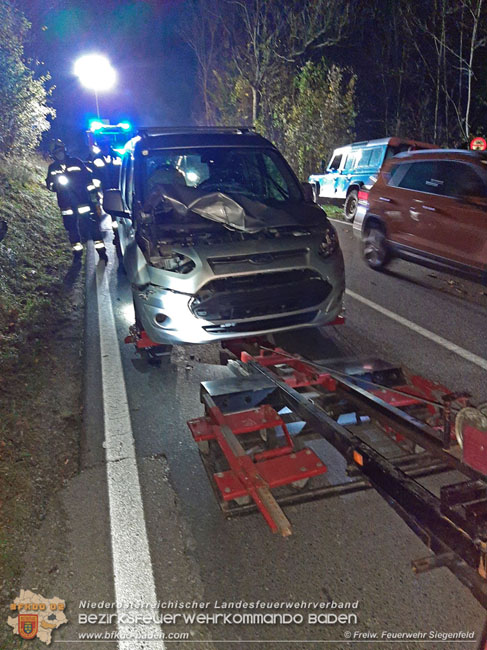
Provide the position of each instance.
(351, 204)
(375, 248)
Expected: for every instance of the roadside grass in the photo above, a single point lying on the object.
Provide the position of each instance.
(33, 258)
(333, 211)
(39, 418)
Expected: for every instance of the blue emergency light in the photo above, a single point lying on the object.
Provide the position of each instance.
(96, 125)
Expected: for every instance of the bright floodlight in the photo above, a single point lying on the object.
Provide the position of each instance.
(95, 72)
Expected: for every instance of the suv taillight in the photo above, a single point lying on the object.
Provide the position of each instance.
(363, 197)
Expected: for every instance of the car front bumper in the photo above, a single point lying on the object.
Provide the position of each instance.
(358, 222)
(167, 316)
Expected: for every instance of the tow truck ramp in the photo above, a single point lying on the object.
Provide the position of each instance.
(283, 430)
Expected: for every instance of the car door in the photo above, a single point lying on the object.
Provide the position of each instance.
(328, 181)
(440, 213)
(409, 223)
(346, 173)
(457, 215)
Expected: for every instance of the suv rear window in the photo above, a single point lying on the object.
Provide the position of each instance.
(444, 177)
(460, 179)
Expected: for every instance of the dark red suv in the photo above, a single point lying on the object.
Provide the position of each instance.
(428, 207)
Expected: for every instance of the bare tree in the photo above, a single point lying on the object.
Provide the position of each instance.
(256, 38)
(474, 8)
(202, 29)
(454, 30)
(263, 36)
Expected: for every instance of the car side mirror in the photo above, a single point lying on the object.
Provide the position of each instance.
(113, 204)
(309, 196)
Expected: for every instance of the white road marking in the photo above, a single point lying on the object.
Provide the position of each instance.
(132, 566)
(452, 347)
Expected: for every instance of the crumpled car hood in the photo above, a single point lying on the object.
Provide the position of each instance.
(235, 211)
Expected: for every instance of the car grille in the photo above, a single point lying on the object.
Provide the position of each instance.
(260, 325)
(296, 257)
(260, 294)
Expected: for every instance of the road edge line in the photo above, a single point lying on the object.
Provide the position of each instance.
(132, 565)
(436, 338)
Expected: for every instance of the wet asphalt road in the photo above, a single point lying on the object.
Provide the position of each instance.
(352, 548)
(452, 308)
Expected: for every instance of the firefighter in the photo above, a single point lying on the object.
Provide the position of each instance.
(106, 166)
(77, 197)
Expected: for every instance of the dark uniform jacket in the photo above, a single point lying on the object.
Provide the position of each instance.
(73, 183)
(107, 169)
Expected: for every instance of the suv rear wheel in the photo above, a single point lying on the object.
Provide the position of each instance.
(375, 248)
(351, 203)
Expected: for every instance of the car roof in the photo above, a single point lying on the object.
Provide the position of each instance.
(181, 137)
(393, 140)
(448, 154)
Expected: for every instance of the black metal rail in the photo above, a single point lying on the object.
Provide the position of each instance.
(453, 546)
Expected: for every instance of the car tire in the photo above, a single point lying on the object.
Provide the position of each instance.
(351, 204)
(375, 250)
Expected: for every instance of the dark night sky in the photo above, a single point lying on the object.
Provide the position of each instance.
(155, 67)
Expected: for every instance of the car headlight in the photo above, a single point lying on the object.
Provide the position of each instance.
(63, 180)
(329, 244)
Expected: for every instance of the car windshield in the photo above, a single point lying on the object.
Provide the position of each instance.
(256, 173)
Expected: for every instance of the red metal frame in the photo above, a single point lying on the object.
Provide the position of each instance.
(299, 374)
(303, 373)
(277, 472)
(263, 417)
(141, 339)
(254, 475)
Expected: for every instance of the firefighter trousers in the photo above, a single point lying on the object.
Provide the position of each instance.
(81, 228)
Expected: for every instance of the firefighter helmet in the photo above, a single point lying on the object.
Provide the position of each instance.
(56, 144)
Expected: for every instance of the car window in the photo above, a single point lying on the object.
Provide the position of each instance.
(422, 177)
(335, 163)
(365, 158)
(352, 159)
(259, 174)
(375, 156)
(443, 177)
(395, 174)
(460, 179)
(272, 182)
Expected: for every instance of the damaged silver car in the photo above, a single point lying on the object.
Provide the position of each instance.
(220, 240)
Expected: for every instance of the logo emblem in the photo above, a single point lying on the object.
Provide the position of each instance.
(28, 625)
(48, 616)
